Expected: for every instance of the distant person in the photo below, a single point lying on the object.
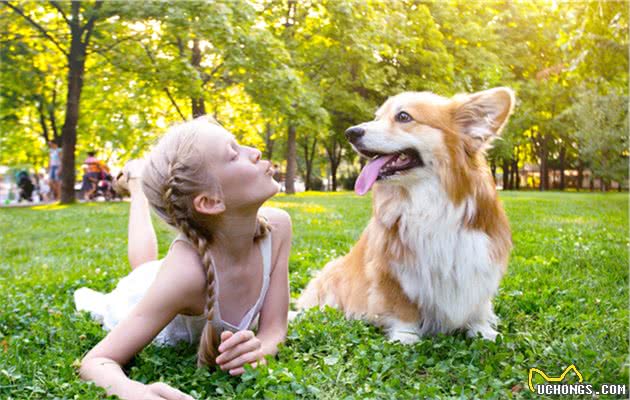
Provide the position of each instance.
(277, 176)
(276, 173)
(25, 185)
(54, 169)
(95, 172)
(44, 187)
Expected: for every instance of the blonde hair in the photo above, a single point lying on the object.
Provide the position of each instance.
(176, 171)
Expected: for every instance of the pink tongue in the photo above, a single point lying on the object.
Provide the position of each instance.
(369, 174)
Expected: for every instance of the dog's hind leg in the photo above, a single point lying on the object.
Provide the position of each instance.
(315, 296)
(310, 295)
(319, 291)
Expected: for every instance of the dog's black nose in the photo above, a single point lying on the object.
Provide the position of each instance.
(354, 133)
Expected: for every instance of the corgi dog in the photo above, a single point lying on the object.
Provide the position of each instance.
(431, 257)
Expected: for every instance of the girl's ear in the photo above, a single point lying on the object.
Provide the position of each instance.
(209, 205)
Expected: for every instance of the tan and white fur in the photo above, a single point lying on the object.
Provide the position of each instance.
(437, 245)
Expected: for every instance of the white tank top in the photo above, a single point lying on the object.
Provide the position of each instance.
(250, 319)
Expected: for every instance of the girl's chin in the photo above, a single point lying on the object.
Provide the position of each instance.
(270, 189)
(276, 187)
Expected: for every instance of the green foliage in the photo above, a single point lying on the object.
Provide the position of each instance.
(319, 66)
(601, 123)
(563, 301)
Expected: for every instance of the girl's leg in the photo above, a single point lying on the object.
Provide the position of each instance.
(142, 242)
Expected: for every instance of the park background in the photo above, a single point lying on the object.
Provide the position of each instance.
(289, 77)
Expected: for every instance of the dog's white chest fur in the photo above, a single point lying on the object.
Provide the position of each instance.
(449, 272)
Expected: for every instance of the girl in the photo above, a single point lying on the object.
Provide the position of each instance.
(225, 273)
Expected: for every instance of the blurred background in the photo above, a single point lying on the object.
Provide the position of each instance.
(102, 80)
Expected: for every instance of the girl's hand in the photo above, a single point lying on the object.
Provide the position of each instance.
(238, 349)
(159, 391)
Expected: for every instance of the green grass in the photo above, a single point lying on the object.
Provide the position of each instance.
(564, 301)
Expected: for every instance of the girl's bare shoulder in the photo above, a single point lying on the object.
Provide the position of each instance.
(183, 268)
(279, 219)
(280, 222)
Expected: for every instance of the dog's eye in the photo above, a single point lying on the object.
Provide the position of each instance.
(403, 117)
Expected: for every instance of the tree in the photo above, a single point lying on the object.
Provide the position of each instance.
(601, 124)
(31, 93)
(80, 21)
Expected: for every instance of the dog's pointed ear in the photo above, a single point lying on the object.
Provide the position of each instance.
(481, 116)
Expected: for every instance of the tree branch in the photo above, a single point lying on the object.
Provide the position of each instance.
(51, 112)
(170, 97)
(168, 92)
(58, 7)
(111, 46)
(206, 77)
(37, 26)
(42, 118)
(88, 27)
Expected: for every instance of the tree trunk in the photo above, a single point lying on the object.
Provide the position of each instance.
(333, 171)
(334, 165)
(307, 175)
(506, 168)
(268, 142)
(198, 104)
(42, 119)
(198, 107)
(562, 156)
(493, 169)
(591, 182)
(309, 157)
(53, 120)
(580, 175)
(544, 173)
(76, 62)
(289, 183)
(515, 176)
(335, 152)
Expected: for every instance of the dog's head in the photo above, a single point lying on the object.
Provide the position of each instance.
(417, 135)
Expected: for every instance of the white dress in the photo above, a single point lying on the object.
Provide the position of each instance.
(110, 308)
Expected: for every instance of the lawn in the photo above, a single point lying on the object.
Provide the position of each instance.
(564, 301)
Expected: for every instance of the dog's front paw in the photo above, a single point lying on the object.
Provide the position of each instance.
(404, 337)
(404, 332)
(486, 331)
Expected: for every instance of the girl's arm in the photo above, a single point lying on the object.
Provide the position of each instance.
(180, 280)
(244, 347)
(272, 326)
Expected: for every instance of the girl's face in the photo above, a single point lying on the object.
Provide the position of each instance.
(245, 179)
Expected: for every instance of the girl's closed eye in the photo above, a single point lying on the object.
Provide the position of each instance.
(234, 152)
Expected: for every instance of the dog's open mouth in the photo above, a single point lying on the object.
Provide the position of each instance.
(385, 165)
